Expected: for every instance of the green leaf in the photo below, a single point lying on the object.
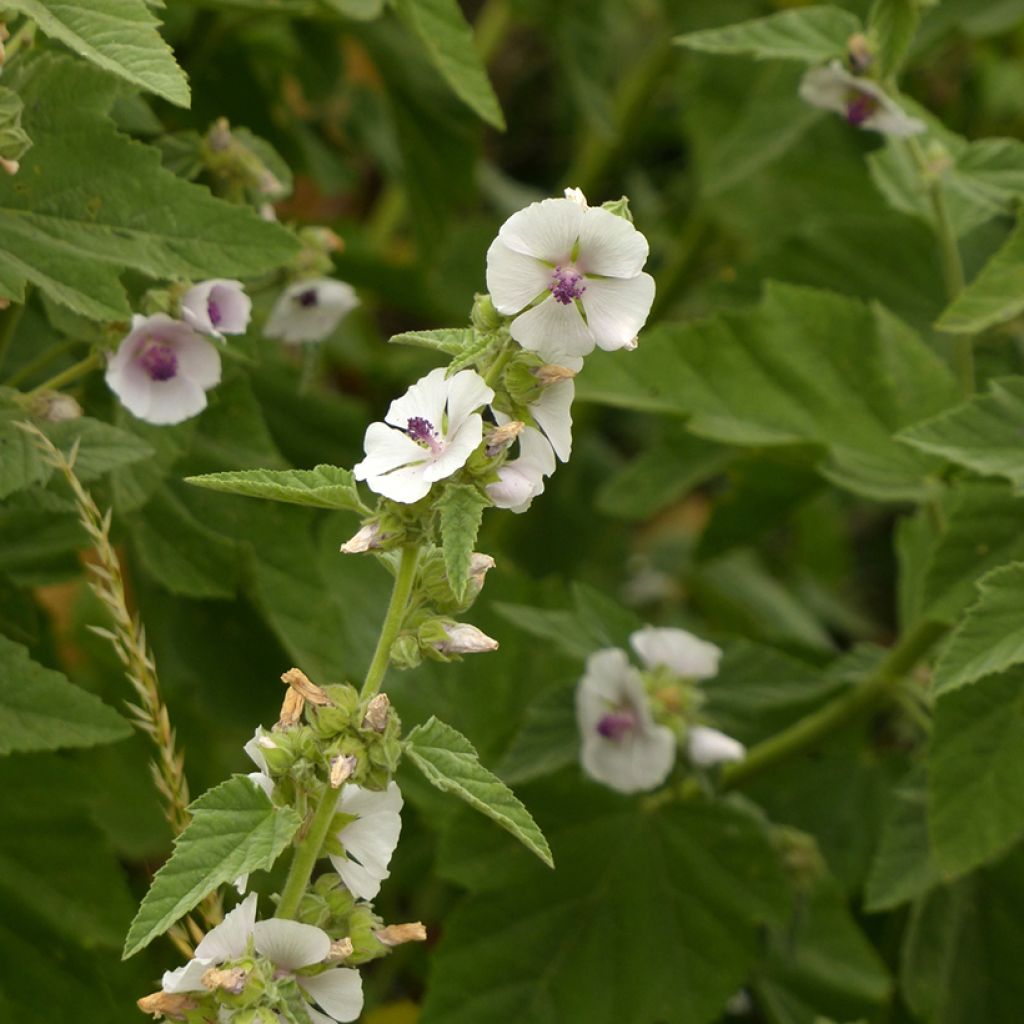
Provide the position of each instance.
(41, 710)
(994, 296)
(804, 367)
(990, 637)
(119, 36)
(109, 205)
(462, 508)
(443, 30)
(449, 762)
(984, 434)
(235, 829)
(892, 25)
(358, 10)
(976, 772)
(696, 882)
(321, 487)
(14, 142)
(548, 739)
(101, 447)
(450, 340)
(813, 35)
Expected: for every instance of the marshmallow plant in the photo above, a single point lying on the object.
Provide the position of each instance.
(485, 431)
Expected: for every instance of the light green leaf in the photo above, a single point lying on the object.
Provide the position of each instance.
(443, 30)
(984, 434)
(994, 296)
(449, 762)
(358, 10)
(804, 367)
(89, 203)
(450, 340)
(462, 508)
(41, 710)
(119, 36)
(813, 35)
(976, 772)
(235, 829)
(892, 25)
(321, 487)
(14, 142)
(990, 637)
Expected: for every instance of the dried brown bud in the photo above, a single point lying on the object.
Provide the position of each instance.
(232, 980)
(341, 949)
(858, 49)
(299, 681)
(399, 934)
(342, 768)
(549, 373)
(479, 566)
(167, 1004)
(291, 709)
(54, 407)
(366, 539)
(219, 136)
(501, 437)
(377, 712)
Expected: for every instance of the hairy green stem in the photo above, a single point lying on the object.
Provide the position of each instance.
(875, 689)
(404, 579)
(307, 853)
(501, 360)
(80, 369)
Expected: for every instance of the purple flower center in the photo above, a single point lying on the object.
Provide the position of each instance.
(859, 107)
(616, 725)
(566, 284)
(308, 298)
(213, 312)
(159, 361)
(422, 432)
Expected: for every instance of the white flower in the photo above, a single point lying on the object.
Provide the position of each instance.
(309, 310)
(163, 369)
(678, 651)
(522, 479)
(217, 307)
(577, 196)
(370, 840)
(261, 779)
(584, 265)
(464, 638)
(706, 747)
(290, 946)
(427, 435)
(861, 101)
(553, 414)
(622, 746)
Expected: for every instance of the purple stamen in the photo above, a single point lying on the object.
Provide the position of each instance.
(422, 432)
(566, 285)
(859, 107)
(308, 298)
(616, 725)
(159, 361)
(214, 313)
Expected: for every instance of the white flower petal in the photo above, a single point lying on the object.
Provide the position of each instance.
(554, 331)
(425, 399)
(339, 991)
(387, 449)
(467, 393)
(316, 1017)
(636, 764)
(677, 650)
(310, 309)
(546, 230)
(255, 752)
(230, 939)
(217, 300)
(706, 747)
(198, 360)
(610, 246)
(513, 279)
(188, 978)
(617, 309)
(371, 839)
(553, 414)
(515, 488)
(171, 401)
(831, 87)
(458, 448)
(291, 944)
(406, 486)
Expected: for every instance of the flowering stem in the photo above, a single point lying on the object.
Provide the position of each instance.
(80, 369)
(500, 362)
(306, 854)
(404, 579)
(868, 693)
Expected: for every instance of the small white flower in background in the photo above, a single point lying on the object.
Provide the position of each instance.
(622, 746)
(427, 435)
(162, 370)
(584, 265)
(217, 307)
(861, 101)
(370, 840)
(680, 652)
(520, 480)
(309, 310)
(290, 946)
(707, 747)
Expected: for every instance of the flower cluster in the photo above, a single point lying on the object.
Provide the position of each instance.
(631, 722)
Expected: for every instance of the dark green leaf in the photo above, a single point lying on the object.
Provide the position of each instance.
(462, 508)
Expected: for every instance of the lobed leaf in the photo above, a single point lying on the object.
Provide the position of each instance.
(235, 829)
(450, 762)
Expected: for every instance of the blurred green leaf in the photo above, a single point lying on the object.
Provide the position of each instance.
(119, 36)
(235, 829)
(892, 25)
(41, 710)
(449, 762)
(14, 142)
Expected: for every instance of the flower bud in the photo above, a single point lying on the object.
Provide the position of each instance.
(342, 769)
(500, 438)
(377, 713)
(54, 407)
(230, 980)
(858, 50)
(172, 1005)
(9, 166)
(366, 539)
(299, 681)
(338, 716)
(257, 1015)
(363, 925)
(550, 373)
(463, 638)
(341, 949)
(707, 747)
(399, 934)
(280, 756)
(620, 207)
(484, 316)
(405, 652)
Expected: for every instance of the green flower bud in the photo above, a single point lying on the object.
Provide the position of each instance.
(280, 756)
(258, 1015)
(484, 316)
(405, 651)
(332, 719)
(362, 924)
(521, 380)
(620, 207)
(341, 902)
